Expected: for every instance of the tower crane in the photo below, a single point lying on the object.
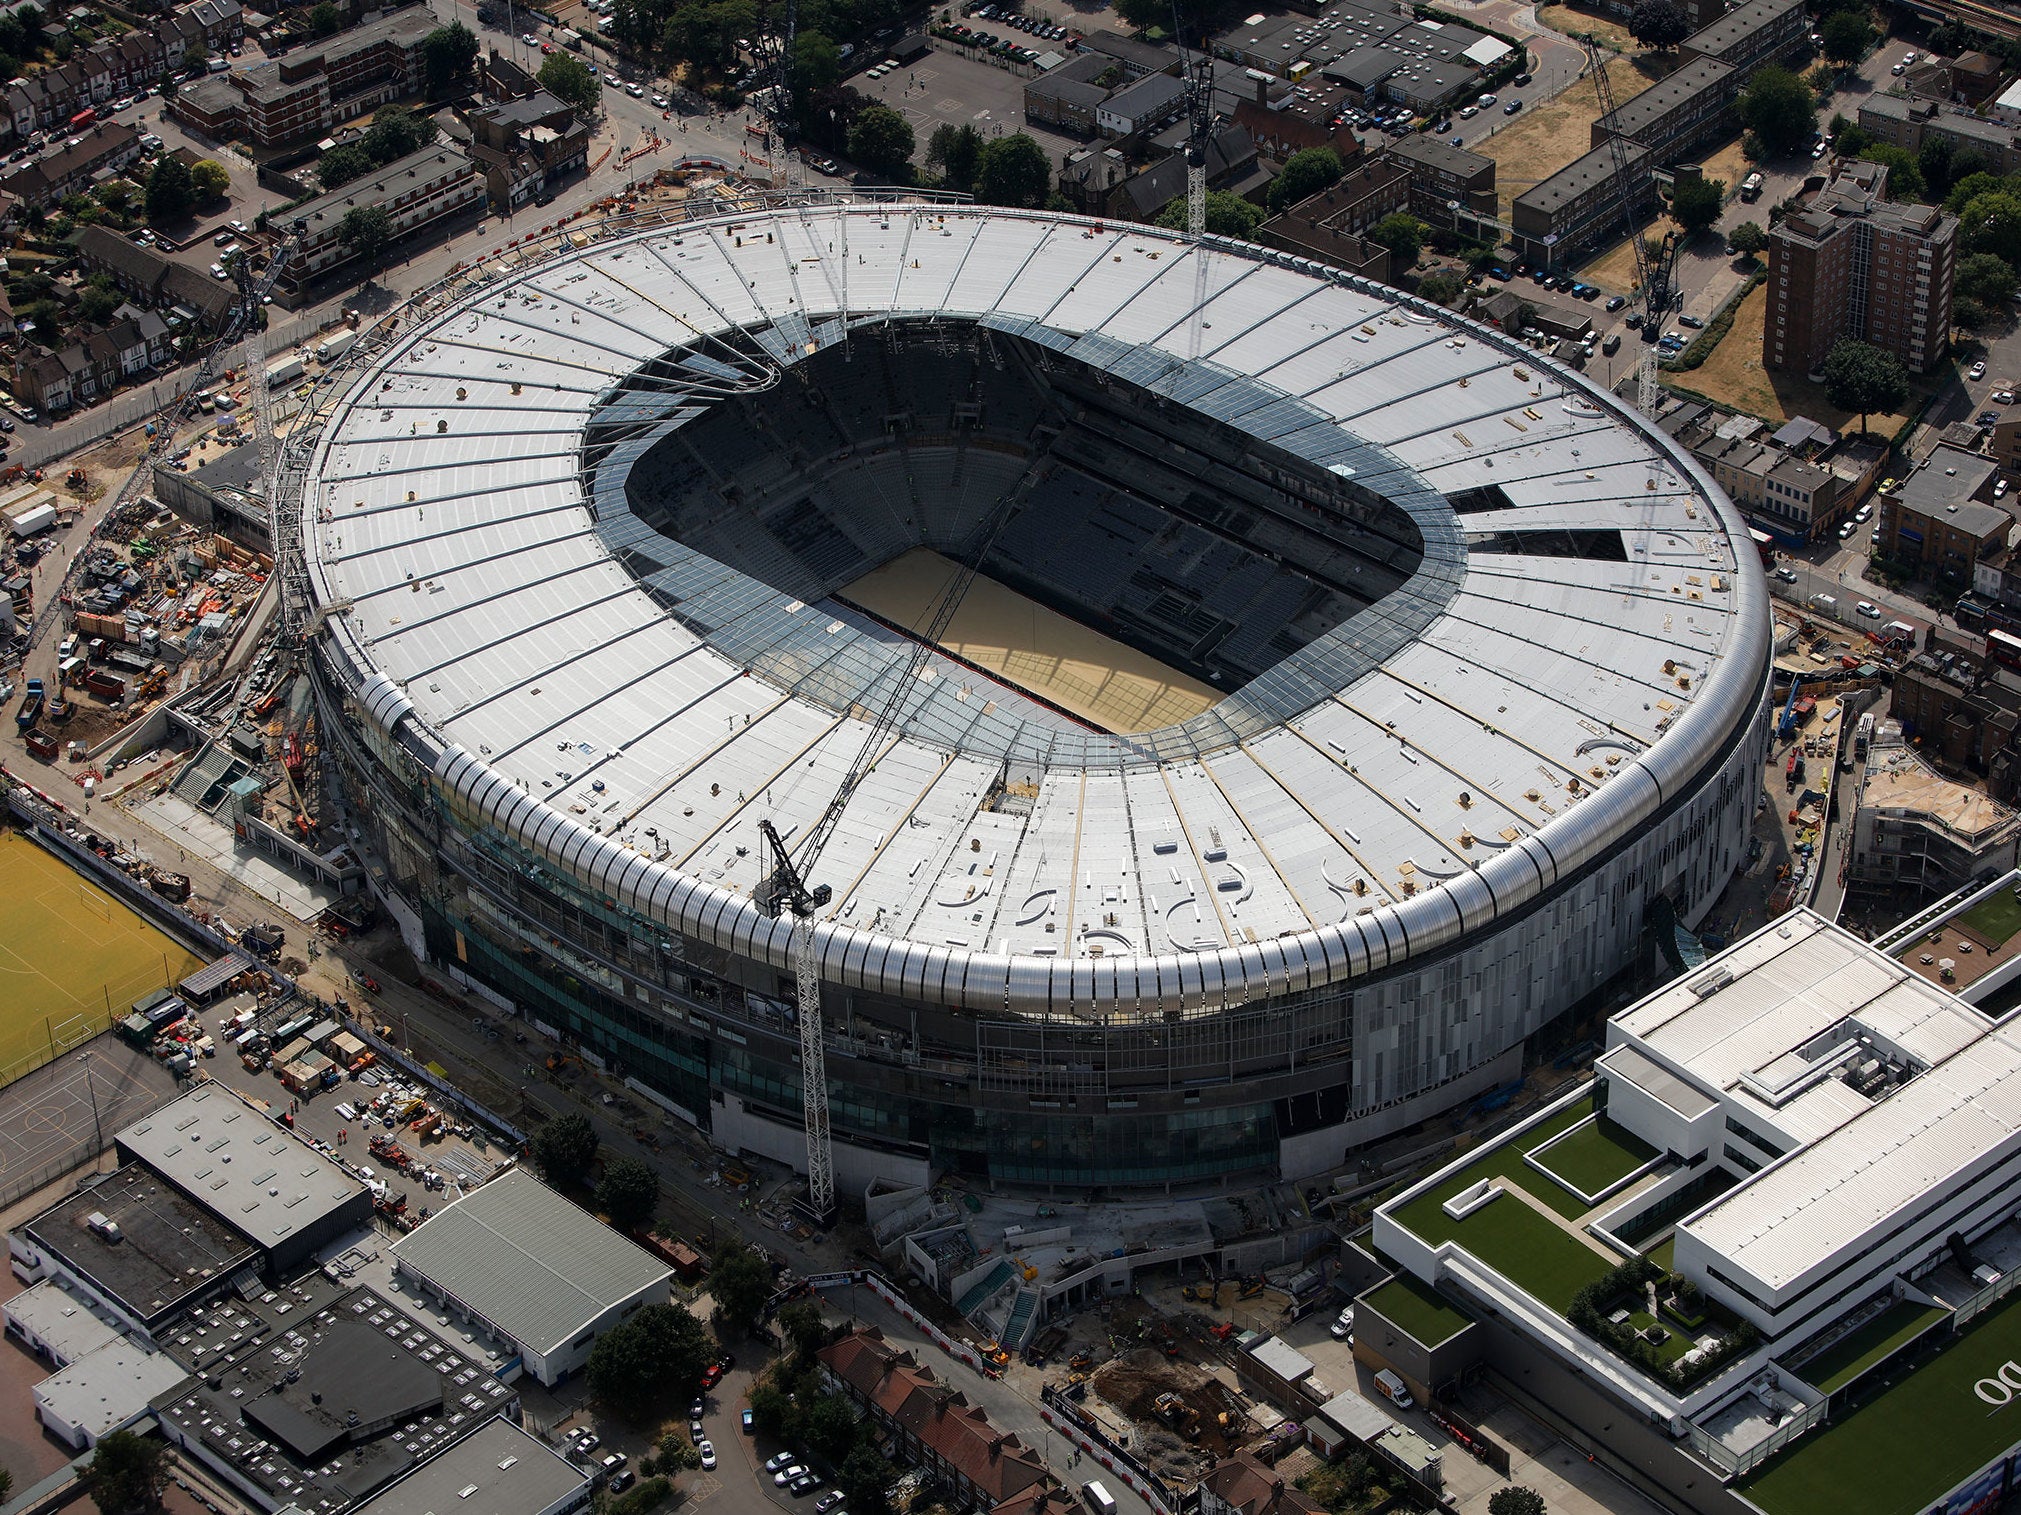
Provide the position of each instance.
(785, 889)
(1653, 273)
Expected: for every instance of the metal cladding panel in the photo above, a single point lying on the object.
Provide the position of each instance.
(913, 969)
(1031, 983)
(1597, 823)
(1102, 989)
(659, 893)
(1080, 977)
(740, 924)
(385, 702)
(1472, 898)
(632, 876)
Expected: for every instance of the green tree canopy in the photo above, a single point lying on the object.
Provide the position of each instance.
(1967, 187)
(448, 54)
(817, 63)
(127, 1473)
(366, 229)
(1988, 279)
(1779, 109)
(325, 19)
(1441, 287)
(1848, 35)
(1227, 215)
(1905, 179)
(95, 306)
(1404, 236)
(881, 140)
(951, 154)
(1516, 1500)
(773, 1411)
(340, 165)
(1991, 223)
(568, 79)
(657, 1355)
(741, 1283)
(1696, 203)
(865, 1481)
(804, 1329)
(397, 131)
(831, 1427)
(1013, 171)
(168, 189)
(629, 1193)
(564, 1149)
(1748, 237)
(1659, 24)
(209, 179)
(705, 34)
(1305, 173)
(1865, 379)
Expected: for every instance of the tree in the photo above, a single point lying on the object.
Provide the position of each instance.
(817, 64)
(448, 54)
(773, 1411)
(1864, 379)
(1441, 287)
(397, 131)
(1013, 171)
(209, 179)
(340, 165)
(564, 1148)
(629, 1193)
(1779, 109)
(127, 1472)
(656, 1355)
(1848, 35)
(1659, 24)
(366, 229)
(95, 306)
(881, 140)
(1696, 204)
(1515, 1500)
(740, 1282)
(1992, 224)
(1306, 172)
(865, 1480)
(951, 154)
(1404, 236)
(1988, 279)
(167, 84)
(1748, 237)
(804, 1327)
(116, 195)
(168, 189)
(325, 19)
(1227, 215)
(831, 1427)
(705, 34)
(1905, 179)
(569, 80)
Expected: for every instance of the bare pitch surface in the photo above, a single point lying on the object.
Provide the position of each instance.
(55, 1117)
(72, 958)
(1040, 651)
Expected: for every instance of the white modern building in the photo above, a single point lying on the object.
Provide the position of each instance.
(533, 1269)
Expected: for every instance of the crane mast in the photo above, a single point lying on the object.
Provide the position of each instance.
(1652, 274)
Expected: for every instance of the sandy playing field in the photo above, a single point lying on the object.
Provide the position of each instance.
(72, 958)
(1095, 677)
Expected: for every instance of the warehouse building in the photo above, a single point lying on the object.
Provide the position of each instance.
(251, 1174)
(499, 1470)
(534, 1269)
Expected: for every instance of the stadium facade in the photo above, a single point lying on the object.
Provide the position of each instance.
(1491, 660)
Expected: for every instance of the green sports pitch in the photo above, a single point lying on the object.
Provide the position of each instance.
(72, 958)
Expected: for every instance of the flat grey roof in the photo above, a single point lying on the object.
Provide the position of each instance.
(498, 1469)
(239, 1165)
(108, 1388)
(1741, 21)
(1436, 153)
(1933, 489)
(60, 1321)
(1579, 176)
(536, 1266)
(1657, 1081)
(1637, 113)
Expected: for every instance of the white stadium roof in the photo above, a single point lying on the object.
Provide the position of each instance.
(1564, 697)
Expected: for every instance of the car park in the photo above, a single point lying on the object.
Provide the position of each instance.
(806, 1483)
(787, 1474)
(1615, 302)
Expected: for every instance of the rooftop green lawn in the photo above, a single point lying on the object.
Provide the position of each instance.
(1852, 1354)
(1595, 1156)
(1664, 1253)
(1909, 1444)
(1417, 1309)
(1995, 918)
(1507, 1234)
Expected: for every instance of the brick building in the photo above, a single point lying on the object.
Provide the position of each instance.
(1577, 205)
(1851, 264)
(1908, 124)
(1332, 225)
(300, 96)
(102, 149)
(1939, 520)
(1679, 113)
(1440, 174)
(524, 148)
(422, 188)
(1750, 35)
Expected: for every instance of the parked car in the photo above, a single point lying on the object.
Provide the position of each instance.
(785, 1476)
(1978, 371)
(806, 1483)
(1512, 107)
(777, 1461)
(1787, 575)
(1868, 609)
(1615, 302)
(1692, 321)
(745, 1419)
(708, 1450)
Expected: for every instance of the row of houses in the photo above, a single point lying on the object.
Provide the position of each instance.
(299, 97)
(75, 166)
(1908, 123)
(1663, 126)
(135, 344)
(121, 65)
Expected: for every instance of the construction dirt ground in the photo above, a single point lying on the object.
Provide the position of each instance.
(1184, 1441)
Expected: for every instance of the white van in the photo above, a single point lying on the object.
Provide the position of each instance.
(1392, 1389)
(1098, 1499)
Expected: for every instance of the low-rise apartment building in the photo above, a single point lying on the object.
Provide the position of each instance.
(1577, 205)
(1332, 225)
(418, 190)
(1908, 123)
(1852, 263)
(1752, 34)
(298, 97)
(1441, 174)
(1916, 829)
(1679, 113)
